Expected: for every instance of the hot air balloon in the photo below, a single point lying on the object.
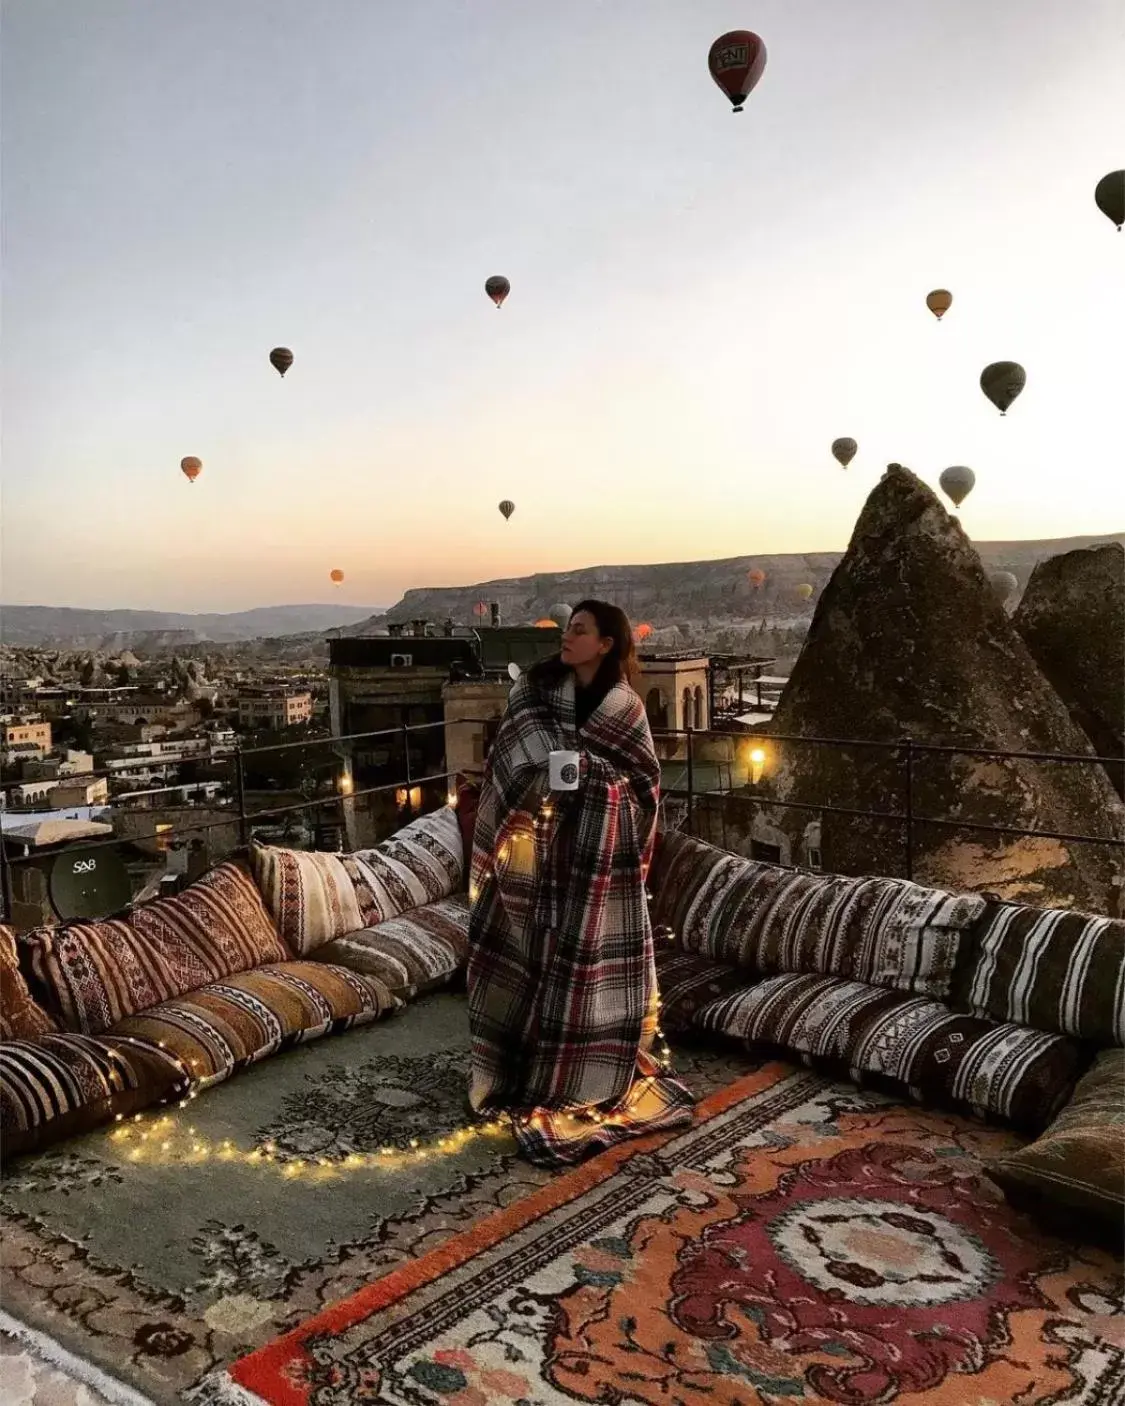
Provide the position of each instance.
(736, 62)
(642, 632)
(497, 287)
(957, 483)
(507, 507)
(844, 450)
(561, 614)
(481, 608)
(1002, 381)
(756, 576)
(805, 591)
(939, 302)
(336, 576)
(192, 467)
(281, 359)
(545, 624)
(1110, 196)
(1004, 585)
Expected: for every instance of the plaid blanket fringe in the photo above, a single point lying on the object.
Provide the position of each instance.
(561, 974)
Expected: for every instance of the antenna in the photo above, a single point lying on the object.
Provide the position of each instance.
(89, 882)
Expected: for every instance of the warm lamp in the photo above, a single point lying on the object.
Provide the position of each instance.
(757, 764)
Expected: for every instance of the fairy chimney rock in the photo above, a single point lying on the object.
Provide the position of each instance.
(1072, 619)
(909, 641)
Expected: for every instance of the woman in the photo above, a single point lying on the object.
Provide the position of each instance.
(561, 976)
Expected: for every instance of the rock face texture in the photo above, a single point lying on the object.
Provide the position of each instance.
(1072, 619)
(908, 640)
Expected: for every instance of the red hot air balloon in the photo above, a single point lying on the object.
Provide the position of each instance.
(191, 467)
(756, 576)
(642, 632)
(736, 61)
(336, 576)
(497, 287)
(481, 608)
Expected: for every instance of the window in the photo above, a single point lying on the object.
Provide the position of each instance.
(815, 860)
(767, 854)
(656, 710)
(700, 718)
(164, 838)
(687, 709)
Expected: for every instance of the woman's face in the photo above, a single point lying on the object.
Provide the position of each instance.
(581, 642)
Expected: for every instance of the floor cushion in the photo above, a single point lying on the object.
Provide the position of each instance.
(229, 1024)
(1051, 968)
(413, 953)
(688, 982)
(315, 898)
(906, 1043)
(1078, 1164)
(768, 919)
(94, 974)
(63, 1084)
(21, 1016)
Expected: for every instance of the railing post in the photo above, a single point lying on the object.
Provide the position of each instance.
(406, 768)
(5, 883)
(690, 784)
(910, 808)
(240, 796)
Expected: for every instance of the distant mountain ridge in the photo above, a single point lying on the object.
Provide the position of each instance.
(693, 590)
(115, 630)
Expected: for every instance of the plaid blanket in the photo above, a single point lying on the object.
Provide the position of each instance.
(563, 1001)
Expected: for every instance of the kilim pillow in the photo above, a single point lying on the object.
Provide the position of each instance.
(21, 1016)
(61, 1085)
(420, 863)
(906, 1043)
(1052, 969)
(687, 880)
(410, 954)
(1078, 1164)
(233, 1023)
(687, 983)
(94, 974)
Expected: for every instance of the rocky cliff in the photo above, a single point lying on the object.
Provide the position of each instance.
(1072, 619)
(908, 640)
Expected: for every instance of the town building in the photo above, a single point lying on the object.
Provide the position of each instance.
(262, 709)
(27, 730)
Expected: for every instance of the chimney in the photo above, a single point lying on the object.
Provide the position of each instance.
(395, 631)
(418, 628)
(448, 628)
(494, 611)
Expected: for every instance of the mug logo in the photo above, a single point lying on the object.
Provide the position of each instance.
(568, 774)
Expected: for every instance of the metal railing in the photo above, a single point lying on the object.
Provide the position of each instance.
(908, 819)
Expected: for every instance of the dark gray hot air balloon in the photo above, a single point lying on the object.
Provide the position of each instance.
(560, 614)
(1004, 585)
(1002, 381)
(497, 287)
(507, 507)
(281, 359)
(1109, 193)
(844, 450)
(957, 483)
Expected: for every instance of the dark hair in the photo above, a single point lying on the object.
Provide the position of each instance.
(618, 666)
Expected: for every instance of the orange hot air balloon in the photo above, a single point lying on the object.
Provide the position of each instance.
(191, 467)
(756, 576)
(336, 576)
(545, 625)
(736, 61)
(939, 302)
(497, 287)
(642, 632)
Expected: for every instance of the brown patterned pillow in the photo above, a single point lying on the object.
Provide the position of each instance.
(686, 880)
(1050, 968)
(95, 974)
(21, 1016)
(1078, 1164)
(411, 954)
(906, 1043)
(687, 983)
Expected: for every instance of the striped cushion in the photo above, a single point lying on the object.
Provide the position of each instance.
(316, 898)
(61, 1085)
(412, 953)
(765, 918)
(906, 1042)
(94, 974)
(233, 1023)
(21, 1016)
(1052, 969)
(1078, 1164)
(687, 983)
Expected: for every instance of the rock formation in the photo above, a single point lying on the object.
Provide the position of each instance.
(908, 640)
(1072, 619)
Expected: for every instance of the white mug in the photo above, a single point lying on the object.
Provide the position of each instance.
(563, 770)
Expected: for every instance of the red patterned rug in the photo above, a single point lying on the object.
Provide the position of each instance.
(804, 1241)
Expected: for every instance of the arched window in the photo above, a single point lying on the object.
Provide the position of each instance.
(700, 715)
(689, 711)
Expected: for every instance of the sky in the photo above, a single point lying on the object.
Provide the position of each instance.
(701, 301)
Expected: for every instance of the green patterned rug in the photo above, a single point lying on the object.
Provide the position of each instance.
(166, 1248)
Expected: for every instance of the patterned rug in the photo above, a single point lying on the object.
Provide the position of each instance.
(162, 1255)
(804, 1241)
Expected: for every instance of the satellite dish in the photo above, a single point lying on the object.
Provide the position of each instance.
(89, 882)
(514, 671)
